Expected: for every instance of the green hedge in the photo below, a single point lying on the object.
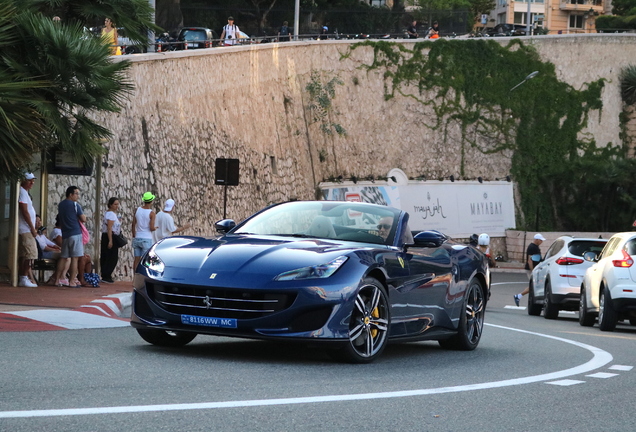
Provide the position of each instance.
(612, 23)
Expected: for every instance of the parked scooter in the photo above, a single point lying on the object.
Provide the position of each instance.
(165, 43)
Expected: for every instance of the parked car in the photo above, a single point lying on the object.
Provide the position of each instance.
(196, 38)
(349, 275)
(507, 30)
(609, 286)
(556, 281)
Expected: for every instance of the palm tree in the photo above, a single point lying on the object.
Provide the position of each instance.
(55, 75)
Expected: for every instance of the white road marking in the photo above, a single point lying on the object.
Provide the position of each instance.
(621, 367)
(602, 375)
(515, 307)
(600, 358)
(565, 382)
(71, 319)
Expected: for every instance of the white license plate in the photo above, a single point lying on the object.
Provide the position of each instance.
(208, 321)
(191, 45)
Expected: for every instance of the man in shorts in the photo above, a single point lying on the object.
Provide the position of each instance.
(70, 214)
(27, 248)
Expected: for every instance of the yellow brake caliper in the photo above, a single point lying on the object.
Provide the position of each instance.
(375, 314)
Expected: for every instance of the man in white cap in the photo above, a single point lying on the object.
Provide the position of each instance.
(533, 257)
(27, 248)
(165, 223)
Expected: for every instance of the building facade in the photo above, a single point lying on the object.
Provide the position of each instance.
(553, 16)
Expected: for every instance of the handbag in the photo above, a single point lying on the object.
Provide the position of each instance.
(86, 237)
(119, 240)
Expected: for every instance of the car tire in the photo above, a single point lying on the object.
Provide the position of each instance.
(607, 316)
(534, 309)
(550, 310)
(369, 324)
(586, 319)
(166, 338)
(471, 321)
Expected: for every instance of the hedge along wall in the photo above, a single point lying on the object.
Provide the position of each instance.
(253, 103)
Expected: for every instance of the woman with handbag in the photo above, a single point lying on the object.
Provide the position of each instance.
(111, 229)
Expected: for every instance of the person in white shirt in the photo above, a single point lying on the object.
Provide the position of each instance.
(27, 246)
(49, 249)
(143, 224)
(230, 32)
(165, 223)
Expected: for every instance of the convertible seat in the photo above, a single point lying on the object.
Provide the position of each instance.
(321, 227)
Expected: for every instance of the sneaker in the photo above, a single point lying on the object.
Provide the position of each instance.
(63, 283)
(517, 298)
(25, 282)
(108, 280)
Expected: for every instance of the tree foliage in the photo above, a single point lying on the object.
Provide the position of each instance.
(624, 7)
(54, 76)
(565, 181)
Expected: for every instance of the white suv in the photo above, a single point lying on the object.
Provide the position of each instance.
(556, 280)
(609, 286)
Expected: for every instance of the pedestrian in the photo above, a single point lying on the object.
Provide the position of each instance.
(324, 32)
(412, 30)
(27, 246)
(483, 244)
(533, 257)
(111, 224)
(48, 248)
(433, 32)
(165, 222)
(230, 32)
(143, 225)
(63, 264)
(284, 33)
(70, 215)
(110, 37)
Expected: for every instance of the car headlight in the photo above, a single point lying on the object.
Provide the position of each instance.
(152, 261)
(313, 272)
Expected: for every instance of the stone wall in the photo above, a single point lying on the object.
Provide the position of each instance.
(250, 103)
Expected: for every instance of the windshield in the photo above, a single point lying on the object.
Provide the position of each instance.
(329, 220)
(193, 35)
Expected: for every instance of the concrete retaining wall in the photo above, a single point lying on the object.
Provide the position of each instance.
(251, 103)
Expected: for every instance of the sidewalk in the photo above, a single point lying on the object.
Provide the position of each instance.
(60, 308)
(508, 267)
(44, 296)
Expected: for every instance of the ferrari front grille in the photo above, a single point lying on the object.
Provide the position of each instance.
(219, 302)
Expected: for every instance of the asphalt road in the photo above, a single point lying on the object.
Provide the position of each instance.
(527, 374)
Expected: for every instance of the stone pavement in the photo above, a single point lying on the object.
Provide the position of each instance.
(61, 308)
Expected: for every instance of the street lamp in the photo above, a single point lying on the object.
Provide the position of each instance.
(529, 77)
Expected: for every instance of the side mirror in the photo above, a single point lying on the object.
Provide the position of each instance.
(590, 256)
(225, 225)
(428, 239)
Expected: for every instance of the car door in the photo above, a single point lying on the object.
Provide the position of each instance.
(542, 271)
(428, 295)
(595, 274)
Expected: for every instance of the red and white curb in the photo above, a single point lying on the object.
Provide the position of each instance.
(105, 312)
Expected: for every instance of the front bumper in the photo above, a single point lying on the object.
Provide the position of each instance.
(303, 311)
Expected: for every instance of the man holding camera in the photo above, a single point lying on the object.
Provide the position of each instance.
(230, 32)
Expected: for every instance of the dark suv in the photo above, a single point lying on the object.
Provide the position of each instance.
(196, 37)
(507, 30)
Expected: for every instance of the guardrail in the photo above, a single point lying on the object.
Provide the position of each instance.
(172, 45)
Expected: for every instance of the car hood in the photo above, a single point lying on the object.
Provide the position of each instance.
(245, 254)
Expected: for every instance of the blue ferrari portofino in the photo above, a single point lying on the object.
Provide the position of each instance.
(348, 274)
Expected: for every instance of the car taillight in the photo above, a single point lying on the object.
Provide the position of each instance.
(568, 261)
(627, 261)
